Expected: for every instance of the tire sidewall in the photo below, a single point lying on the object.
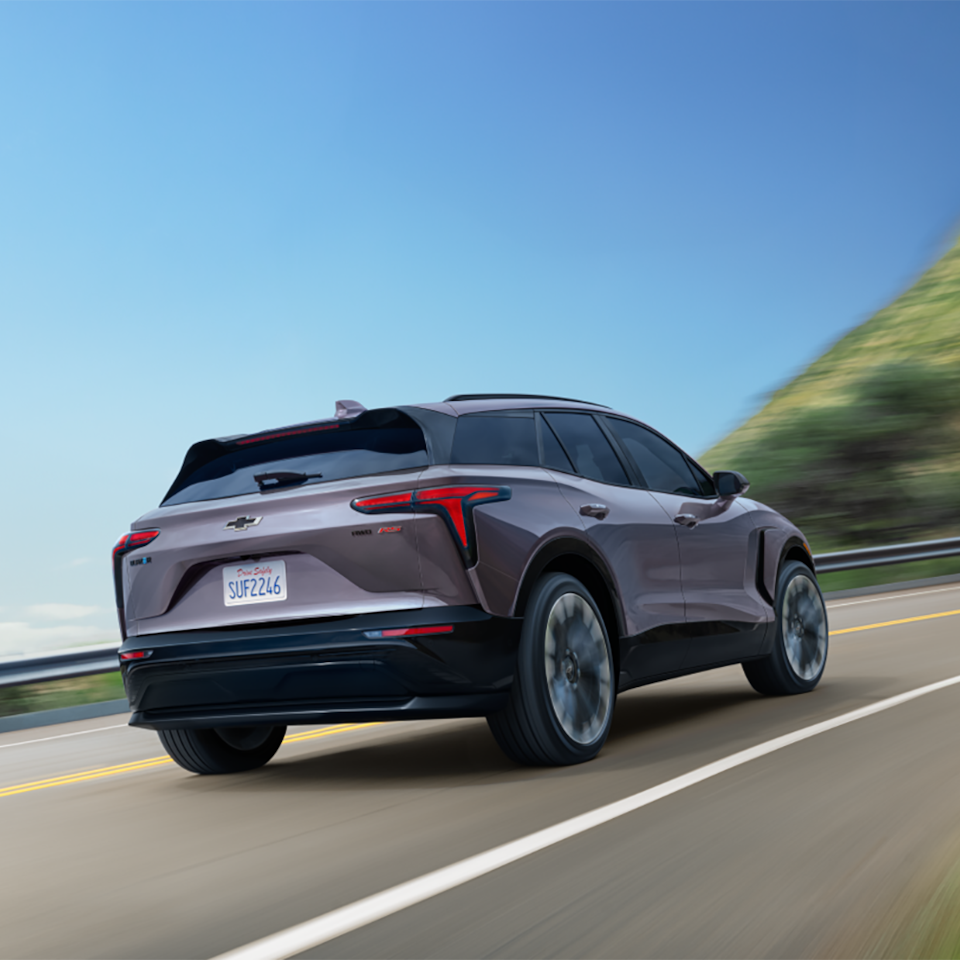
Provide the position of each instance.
(554, 742)
(789, 572)
(204, 751)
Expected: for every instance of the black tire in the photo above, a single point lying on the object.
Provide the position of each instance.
(561, 701)
(795, 665)
(223, 750)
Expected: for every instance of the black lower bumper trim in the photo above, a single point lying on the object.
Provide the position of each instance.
(316, 672)
(418, 708)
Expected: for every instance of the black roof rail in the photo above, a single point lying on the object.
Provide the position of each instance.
(518, 396)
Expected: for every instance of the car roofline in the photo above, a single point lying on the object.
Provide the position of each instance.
(474, 399)
(458, 397)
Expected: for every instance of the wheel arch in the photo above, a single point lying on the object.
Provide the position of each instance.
(579, 560)
(796, 549)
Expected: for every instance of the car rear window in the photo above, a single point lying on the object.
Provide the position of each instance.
(378, 441)
(501, 438)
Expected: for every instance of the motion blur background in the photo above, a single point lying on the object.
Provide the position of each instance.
(220, 218)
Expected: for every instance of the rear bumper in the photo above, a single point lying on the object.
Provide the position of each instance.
(324, 671)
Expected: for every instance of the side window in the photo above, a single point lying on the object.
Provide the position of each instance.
(704, 480)
(663, 466)
(589, 449)
(502, 438)
(553, 455)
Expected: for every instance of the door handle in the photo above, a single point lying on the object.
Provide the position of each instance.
(598, 510)
(686, 520)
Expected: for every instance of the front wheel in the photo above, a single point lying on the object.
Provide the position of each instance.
(224, 749)
(561, 702)
(799, 653)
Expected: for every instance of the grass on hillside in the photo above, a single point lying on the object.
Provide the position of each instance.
(863, 448)
(920, 327)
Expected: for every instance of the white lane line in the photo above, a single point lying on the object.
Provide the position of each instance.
(328, 926)
(893, 596)
(60, 736)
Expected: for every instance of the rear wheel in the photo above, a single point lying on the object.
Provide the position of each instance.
(561, 702)
(224, 749)
(799, 653)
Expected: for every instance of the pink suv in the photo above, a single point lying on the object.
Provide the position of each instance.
(520, 558)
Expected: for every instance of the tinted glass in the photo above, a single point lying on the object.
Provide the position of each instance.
(589, 449)
(704, 481)
(663, 466)
(502, 439)
(553, 455)
(377, 442)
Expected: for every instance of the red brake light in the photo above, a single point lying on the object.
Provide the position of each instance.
(132, 541)
(453, 500)
(378, 504)
(135, 655)
(287, 433)
(454, 504)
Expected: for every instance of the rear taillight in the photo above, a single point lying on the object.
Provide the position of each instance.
(135, 655)
(133, 541)
(393, 501)
(128, 542)
(454, 504)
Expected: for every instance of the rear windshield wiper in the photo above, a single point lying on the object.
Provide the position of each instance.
(282, 478)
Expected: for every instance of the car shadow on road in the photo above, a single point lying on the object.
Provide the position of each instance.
(415, 759)
(465, 752)
(649, 709)
(468, 750)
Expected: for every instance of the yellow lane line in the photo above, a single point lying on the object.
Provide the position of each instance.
(80, 777)
(894, 623)
(340, 728)
(157, 762)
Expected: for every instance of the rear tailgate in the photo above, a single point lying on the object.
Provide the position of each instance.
(330, 560)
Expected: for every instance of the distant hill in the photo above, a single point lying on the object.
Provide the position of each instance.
(864, 446)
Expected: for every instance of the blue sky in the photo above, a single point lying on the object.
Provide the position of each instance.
(217, 218)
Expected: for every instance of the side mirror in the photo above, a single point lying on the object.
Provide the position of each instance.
(730, 484)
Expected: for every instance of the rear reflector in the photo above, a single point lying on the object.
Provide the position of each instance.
(407, 631)
(135, 655)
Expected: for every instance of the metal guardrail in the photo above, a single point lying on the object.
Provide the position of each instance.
(882, 556)
(59, 665)
(85, 661)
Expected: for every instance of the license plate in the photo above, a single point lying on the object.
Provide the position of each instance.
(254, 582)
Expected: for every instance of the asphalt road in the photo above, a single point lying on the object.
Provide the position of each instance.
(825, 848)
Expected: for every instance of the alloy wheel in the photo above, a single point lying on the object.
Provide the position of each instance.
(577, 664)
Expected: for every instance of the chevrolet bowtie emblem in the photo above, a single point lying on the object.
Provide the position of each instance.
(241, 523)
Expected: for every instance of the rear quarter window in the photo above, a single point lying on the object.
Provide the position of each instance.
(501, 438)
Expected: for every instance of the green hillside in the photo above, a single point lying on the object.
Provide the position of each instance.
(863, 447)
